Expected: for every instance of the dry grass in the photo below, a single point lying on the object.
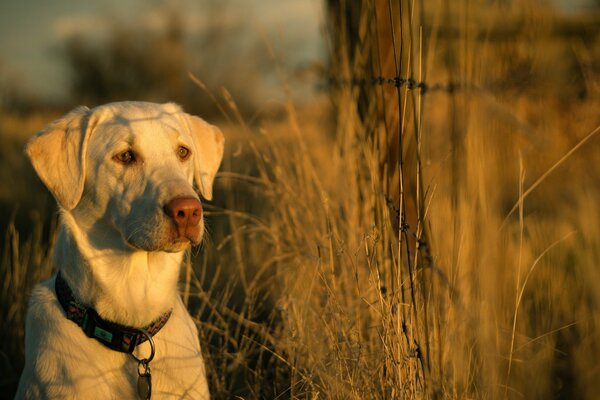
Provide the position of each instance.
(305, 289)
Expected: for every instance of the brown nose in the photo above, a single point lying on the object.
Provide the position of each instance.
(185, 211)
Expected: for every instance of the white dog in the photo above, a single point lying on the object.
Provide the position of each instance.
(111, 324)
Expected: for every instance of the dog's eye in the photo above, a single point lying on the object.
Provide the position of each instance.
(183, 153)
(126, 157)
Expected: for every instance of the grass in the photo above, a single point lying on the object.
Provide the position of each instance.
(308, 288)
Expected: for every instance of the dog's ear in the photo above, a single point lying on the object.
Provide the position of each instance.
(58, 156)
(208, 146)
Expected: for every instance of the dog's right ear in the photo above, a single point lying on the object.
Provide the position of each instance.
(58, 156)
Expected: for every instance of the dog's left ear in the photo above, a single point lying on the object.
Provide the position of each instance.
(208, 145)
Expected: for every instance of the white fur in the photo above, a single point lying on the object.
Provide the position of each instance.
(117, 249)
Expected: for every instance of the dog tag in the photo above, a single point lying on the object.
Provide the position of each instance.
(144, 384)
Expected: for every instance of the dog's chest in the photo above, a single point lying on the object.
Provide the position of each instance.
(68, 362)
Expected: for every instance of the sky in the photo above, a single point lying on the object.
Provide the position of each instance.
(32, 31)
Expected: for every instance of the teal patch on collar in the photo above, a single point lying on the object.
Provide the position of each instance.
(102, 334)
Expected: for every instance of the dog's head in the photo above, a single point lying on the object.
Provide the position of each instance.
(129, 167)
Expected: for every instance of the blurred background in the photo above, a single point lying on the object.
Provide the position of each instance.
(63, 53)
(409, 202)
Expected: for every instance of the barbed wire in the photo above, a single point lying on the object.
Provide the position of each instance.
(397, 81)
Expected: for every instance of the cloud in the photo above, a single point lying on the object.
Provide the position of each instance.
(88, 24)
(152, 19)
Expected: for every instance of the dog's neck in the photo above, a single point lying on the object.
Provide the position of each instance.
(130, 287)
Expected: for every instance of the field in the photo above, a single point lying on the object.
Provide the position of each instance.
(436, 237)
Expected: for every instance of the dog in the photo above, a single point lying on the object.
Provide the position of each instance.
(111, 323)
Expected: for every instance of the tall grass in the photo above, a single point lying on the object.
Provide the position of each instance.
(401, 244)
(24, 263)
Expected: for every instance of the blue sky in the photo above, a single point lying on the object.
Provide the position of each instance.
(31, 31)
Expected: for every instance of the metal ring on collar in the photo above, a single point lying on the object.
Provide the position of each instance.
(152, 349)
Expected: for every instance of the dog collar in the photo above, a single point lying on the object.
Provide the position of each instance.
(112, 335)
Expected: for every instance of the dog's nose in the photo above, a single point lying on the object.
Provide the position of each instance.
(185, 211)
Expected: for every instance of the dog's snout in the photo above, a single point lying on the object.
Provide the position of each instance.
(184, 211)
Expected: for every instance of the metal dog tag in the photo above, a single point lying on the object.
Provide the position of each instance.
(144, 384)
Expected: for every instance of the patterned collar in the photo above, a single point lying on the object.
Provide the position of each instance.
(114, 336)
